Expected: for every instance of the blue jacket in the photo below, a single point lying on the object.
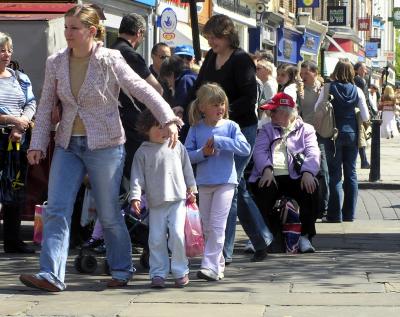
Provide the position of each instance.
(183, 84)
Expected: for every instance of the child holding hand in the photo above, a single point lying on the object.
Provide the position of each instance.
(212, 142)
(166, 176)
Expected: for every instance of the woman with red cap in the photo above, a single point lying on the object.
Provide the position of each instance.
(286, 162)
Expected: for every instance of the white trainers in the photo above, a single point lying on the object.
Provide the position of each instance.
(221, 275)
(249, 248)
(305, 245)
(208, 275)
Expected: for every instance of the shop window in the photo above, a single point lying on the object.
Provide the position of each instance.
(281, 4)
(291, 6)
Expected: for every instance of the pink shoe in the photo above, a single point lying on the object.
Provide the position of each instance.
(182, 281)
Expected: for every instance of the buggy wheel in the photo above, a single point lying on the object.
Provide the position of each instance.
(144, 259)
(77, 263)
(88, 264)
(106, 267)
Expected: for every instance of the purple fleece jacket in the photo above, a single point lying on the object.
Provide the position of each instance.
(301, 140)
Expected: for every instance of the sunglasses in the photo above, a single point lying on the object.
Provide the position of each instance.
(163, 57)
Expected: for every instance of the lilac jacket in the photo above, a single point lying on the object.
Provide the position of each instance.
(97, 102)
(301, 140)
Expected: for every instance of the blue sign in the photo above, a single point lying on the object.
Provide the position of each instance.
(311, 42)
(151, 3)
(308, 3)
(371, 49)
(289, 44)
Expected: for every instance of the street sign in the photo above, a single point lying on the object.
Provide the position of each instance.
(364, 24)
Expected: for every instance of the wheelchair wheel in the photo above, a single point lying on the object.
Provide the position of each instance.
(88, 264)
(106, 267)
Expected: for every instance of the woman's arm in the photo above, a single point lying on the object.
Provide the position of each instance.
(320, 98)
(362, 105)
(30, 103)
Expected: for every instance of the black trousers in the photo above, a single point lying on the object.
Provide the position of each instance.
(266, 197)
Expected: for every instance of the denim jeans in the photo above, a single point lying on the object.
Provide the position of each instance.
(323, 192)
(104, 167)
(346, 156)
(244, 207)
(168, 220)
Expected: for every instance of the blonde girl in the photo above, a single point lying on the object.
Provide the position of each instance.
(212, 142)
(388, 108)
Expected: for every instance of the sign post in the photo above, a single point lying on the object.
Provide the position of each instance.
(195, 27)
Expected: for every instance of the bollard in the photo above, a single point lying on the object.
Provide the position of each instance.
(375, 170)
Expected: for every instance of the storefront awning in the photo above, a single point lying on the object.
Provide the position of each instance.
(334, 43)
(183, 35)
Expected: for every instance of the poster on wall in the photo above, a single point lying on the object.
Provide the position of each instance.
(336, 15)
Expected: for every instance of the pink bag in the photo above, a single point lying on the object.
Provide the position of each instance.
(38, 223)
(194, 240)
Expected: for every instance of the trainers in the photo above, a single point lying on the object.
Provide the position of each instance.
(92, 243)
(305, 245)
(259, 255)
(248, 248)
(157, 282)
(182, 281)
(207, 274)
(221, 275)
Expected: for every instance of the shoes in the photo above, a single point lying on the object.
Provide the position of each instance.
(305, 245)
(114, 283)
(259, 255)
(249, 248)
(101, 249)
(92, 243)
(228, 261)
(182, 281)
(328, 220)
(365, 166)
(157, 282)
(39, 283)
(207, 274)
(221, 275)
(18, 247)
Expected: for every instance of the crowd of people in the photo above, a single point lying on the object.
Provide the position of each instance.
(237, 132)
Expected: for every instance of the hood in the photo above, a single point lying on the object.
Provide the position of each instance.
(344, 93)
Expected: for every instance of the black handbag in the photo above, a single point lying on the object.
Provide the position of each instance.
(298, 160)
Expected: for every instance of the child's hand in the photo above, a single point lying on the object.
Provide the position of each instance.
(208, 148)
(135, 206)
(190, 197)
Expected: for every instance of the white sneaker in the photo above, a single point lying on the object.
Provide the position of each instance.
(248, 248)
(207, 274)
(305, 245)
(221, 275)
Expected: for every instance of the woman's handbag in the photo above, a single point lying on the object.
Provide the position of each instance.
(194, 240)
(324, 117)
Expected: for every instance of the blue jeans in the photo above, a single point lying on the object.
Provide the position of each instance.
(323, 194)
(244, 207)
(346, 156)
(68, 167)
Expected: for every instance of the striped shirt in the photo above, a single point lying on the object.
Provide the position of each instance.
(13, 99)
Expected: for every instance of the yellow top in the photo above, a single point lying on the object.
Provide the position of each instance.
(77, 73)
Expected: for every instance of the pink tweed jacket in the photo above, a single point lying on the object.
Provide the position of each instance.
(97, 102)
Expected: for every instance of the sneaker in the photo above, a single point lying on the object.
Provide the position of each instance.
(221, 275)
(259, 255)
(157, 282)
(248, 248)
(182, 281)
(92, 243)
(305, 245)
(207, 274)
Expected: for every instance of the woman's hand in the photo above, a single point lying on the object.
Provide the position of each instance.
(178, 110)
(267, 178)
(171, 131)
(308, 182)
(34, 157)
(16, 135)
(208, 148)
(135, 206)
(190, 197)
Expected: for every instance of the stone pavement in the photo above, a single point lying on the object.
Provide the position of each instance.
(355, 272)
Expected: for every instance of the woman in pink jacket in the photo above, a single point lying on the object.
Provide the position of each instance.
(86, 78)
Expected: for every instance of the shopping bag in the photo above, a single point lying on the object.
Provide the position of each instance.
(194, 240)
(88, 208)
(38, 223)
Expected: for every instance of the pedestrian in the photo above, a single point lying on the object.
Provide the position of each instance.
(186, 53)
(17, 107)
(275, 174)
(166, 176)
(212, 142)
(311, 92)
(89, 140)
(342, 153)
(388, 107)
(287, 80)
(232, 68)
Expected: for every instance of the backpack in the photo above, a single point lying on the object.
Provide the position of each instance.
(324, 118)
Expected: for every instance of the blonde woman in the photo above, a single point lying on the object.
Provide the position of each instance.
(87, 78)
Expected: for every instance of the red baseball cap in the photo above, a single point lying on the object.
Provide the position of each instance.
(280, 99)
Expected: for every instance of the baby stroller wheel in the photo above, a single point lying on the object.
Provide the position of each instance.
(87, 264)
(77, 264)
(106, 267)
(144, 259)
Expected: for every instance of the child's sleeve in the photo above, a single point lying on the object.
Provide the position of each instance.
(195, 153)
(235, 143)
(137, 176)
(187, 170)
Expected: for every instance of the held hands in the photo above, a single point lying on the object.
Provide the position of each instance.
(171, 131)
(308, 182)
(208, 148)
(267, 178)
(135, 206)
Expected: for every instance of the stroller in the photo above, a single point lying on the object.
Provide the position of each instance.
(86, 262)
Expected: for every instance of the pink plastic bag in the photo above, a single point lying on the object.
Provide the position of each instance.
(194, 240)
(38, 223)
